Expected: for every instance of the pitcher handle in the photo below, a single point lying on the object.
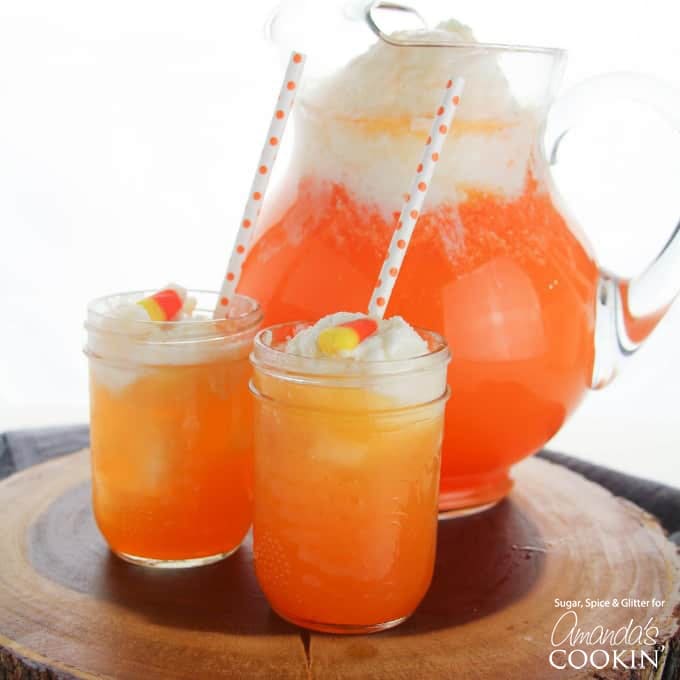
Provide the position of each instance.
(373, 24)
(627, 310)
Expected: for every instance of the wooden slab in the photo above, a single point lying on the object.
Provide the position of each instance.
(69, 609)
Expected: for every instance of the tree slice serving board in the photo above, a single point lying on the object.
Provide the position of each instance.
(70, 609)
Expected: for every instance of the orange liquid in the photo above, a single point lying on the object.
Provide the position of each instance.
(172, 460)
(346, 507)
(507, 283)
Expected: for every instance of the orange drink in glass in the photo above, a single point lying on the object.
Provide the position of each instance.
(347, 458)
(171, 430)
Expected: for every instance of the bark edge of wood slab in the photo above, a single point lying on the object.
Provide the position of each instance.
(69, 609)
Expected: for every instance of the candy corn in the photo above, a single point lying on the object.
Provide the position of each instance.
(165, 304)
(346, 336)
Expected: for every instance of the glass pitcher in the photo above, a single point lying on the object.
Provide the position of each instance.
(496, 263)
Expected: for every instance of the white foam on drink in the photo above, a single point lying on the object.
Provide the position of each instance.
(365, 126)
(395, 340)
(124, 345)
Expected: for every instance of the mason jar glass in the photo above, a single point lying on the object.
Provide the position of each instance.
(171, 430)
(347, 459)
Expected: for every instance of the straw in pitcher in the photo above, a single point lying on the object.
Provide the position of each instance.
(413, 206)
(260, 181)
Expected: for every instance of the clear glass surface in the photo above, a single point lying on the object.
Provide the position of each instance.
(171, 432)
(347, 464)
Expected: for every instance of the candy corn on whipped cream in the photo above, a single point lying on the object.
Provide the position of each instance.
(168, 304)
(347, 335)
(349, 359)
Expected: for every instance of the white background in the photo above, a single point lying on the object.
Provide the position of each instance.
(129, 132)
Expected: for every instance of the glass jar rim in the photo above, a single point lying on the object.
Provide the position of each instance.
(479, 47)
(205, 329)
(271, 359)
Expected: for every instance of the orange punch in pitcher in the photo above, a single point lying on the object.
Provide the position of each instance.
(171, 425)
(494, 264)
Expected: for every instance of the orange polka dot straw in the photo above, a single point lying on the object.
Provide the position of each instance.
(284, 104)
(415, 198)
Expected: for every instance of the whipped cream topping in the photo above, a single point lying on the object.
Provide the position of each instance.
(365, 126)
(394, 339)
(389, 82)
(125, 345)
(370, 364)
(133, 311)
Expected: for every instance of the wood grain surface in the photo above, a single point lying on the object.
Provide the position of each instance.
(70, 609)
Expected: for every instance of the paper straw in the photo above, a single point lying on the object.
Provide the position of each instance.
(259, 186)
(413, 205)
